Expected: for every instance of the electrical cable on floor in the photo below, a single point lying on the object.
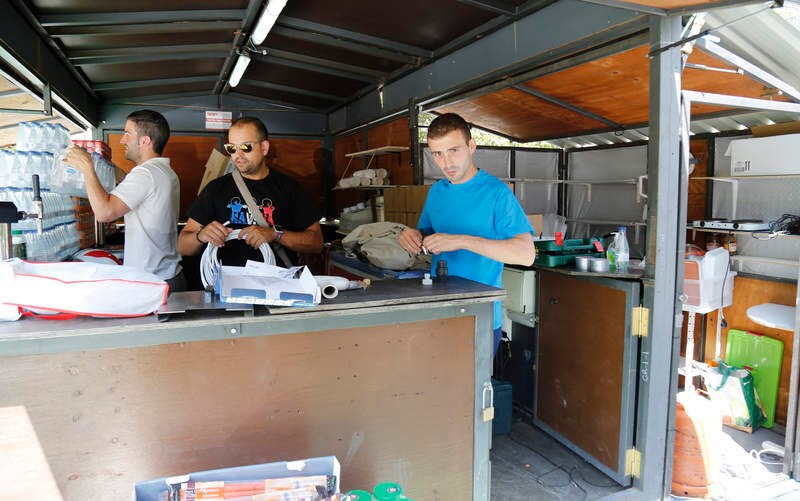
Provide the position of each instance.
(556, 467)
(580, 473)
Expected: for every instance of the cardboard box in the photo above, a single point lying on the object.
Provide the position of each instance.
(765, 156)
(395, 217)
(412, 218)
(215, 167)
(153, 490)
(537, 221)
(394, 199)
(416, 197)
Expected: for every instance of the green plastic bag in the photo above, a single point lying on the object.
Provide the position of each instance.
(731, 389)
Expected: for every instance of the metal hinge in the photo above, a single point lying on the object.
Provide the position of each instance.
(633, 463)
(640, 321)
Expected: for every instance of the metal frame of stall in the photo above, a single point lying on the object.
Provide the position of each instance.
(555, 48)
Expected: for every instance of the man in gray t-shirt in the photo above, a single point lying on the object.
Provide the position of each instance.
(148, 197)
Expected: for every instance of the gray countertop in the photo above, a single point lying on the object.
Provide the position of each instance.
(387, 297)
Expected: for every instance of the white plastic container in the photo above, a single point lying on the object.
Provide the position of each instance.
(708, 282)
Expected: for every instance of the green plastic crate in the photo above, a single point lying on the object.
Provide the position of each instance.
(764, 356)
(568, 245)
(555, 260)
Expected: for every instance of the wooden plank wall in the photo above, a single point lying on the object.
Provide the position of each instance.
(747, 292)
(302, 160)
(394, 133)
(379, 398)
(188, 154)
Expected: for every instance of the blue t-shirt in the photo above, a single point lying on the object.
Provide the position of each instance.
(482, 207)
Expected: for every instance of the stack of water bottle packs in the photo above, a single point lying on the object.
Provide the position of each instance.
(40, 150)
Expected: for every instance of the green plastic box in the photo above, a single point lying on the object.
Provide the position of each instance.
(763, 356)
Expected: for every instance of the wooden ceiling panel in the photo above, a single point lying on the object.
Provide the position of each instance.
(520, 115)
(671, 4)
(6, 85)
(615, 87)
(618, 87)
(332, 53)
(21, 102)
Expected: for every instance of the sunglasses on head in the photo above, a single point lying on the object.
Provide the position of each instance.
(245, 147)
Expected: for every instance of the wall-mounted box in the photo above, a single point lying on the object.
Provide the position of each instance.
(765, 156)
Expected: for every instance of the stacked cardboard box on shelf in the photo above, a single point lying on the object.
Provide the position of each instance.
(403, 204)
(84, 220)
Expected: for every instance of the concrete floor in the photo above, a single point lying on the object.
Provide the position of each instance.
(529, 465)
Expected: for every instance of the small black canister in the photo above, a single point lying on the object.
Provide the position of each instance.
(441, 269)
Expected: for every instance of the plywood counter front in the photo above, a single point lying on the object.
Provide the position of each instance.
(389, 380)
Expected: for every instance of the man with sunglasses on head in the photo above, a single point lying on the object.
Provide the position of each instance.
(148, 197)
(220, 207)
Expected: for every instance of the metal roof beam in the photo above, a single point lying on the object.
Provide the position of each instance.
(740, 102)
(566, 105)
(345, 70)
(116, 29)
(749, 69)
(331, 41)
(382, 43)
(159, 16)
(301, 65)
(248, 21)
(132, 84)
(146, 58)
(293, 90)
(12, 92)
(155, 49)
(496, 6)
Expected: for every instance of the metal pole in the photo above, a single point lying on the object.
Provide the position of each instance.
(660, 349)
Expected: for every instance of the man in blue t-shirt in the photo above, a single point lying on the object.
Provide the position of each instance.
(470, 219)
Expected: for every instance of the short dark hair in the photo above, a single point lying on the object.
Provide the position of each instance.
(255, 122)
(447, 123)
(152, 124)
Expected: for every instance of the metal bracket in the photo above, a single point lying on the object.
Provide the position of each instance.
(640, 321)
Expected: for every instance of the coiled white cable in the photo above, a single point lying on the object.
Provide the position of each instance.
(210, 266)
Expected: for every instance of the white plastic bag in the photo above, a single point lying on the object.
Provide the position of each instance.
(75, 288)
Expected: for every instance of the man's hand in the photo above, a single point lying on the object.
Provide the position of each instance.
(80, 159)
(411, 240)
(443, 242)
(255, 236)
(214, 233)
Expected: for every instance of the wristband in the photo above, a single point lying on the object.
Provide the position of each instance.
(278, 235)
(197, 236)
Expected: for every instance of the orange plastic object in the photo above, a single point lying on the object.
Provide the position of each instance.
(696, 458)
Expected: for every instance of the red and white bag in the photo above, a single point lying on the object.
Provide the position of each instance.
(73, 288)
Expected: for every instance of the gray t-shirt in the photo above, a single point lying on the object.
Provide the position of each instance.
(152, 192)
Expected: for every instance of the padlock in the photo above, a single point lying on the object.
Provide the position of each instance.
(488, 412)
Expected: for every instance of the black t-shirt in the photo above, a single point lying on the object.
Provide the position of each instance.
(280, 198)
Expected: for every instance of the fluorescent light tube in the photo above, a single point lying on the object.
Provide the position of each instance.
(267, 20)
(238, 70)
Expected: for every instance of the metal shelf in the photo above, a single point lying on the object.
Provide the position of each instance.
(383, 150)
(767, 236)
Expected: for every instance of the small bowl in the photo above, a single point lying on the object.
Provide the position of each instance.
(582, 263)
(598, 264)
